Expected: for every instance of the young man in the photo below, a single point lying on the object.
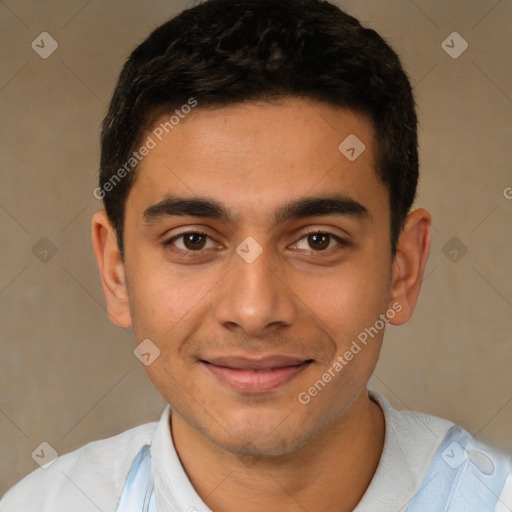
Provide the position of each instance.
(259, 162)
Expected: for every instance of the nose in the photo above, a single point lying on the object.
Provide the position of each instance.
(254, 297)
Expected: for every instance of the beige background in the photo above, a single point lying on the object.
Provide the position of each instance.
(67, 376)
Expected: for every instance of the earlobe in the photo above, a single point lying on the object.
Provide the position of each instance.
(409, 265)
(111, 268)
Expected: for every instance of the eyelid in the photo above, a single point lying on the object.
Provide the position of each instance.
(341, 242)
(169, 243)
(324, 231)
(187, 232)
(314, 231)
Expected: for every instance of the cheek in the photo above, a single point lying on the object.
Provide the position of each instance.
(166, 303)
(156, 303)
(347, 300)
(169, 304)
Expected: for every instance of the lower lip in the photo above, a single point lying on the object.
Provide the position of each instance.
(256, 381)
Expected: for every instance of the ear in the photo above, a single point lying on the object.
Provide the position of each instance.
(111, 266)
(409, 265)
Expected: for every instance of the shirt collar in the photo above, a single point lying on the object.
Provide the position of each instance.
(398, 475)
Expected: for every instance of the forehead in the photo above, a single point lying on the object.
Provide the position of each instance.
(255, 156)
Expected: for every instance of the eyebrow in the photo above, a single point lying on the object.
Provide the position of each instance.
(340, 205)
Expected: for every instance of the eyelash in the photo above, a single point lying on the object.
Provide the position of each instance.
(189, 253)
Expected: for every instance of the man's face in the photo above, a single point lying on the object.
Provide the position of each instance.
(243, 334)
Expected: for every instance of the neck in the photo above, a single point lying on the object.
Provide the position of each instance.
(330, 473)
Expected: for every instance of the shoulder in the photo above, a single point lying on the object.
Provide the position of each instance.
(445, 463)
(89, 478)
(505, 499)
(417, 435)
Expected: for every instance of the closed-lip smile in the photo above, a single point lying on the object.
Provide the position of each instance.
(255, 375)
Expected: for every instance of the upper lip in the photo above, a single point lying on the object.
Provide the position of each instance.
(262, 363)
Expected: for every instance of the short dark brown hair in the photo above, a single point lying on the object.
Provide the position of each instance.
(224, 52)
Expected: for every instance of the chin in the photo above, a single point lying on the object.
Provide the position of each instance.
(263, 435)
(257, 447)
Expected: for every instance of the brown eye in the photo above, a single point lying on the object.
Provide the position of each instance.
(189, 242)
(319, 241)
(194, 241)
